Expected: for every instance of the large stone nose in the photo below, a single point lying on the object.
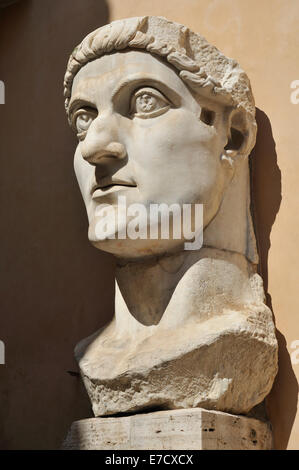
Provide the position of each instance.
(102, 141)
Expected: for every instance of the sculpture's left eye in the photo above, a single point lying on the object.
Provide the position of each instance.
(148, 103)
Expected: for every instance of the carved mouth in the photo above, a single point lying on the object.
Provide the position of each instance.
(111, 185)
(105, 186)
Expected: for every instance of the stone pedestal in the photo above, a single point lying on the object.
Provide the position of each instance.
(184, 429)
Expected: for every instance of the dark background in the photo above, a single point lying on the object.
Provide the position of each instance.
(55, 288)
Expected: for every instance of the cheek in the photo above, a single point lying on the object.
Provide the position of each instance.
(83, 171)
(181, 154)
(176, 135)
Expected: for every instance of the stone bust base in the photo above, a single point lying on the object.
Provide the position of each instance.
(184, 429)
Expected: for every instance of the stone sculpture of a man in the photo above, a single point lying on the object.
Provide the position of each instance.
(163, 117)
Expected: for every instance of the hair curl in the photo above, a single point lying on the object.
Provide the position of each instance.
(200, 65)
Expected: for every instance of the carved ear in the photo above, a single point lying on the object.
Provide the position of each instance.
(241, 135)
(235, 140)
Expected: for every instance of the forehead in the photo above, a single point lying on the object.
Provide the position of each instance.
(111, 70)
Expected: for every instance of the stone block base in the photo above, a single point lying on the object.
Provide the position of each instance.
(184, 429)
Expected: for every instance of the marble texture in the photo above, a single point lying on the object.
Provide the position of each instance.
(163, 117)
(190, 429)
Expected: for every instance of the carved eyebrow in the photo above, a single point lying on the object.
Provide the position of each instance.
(147, 80)
(132, 82)
(79, 102)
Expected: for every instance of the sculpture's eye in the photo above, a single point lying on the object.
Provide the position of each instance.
(81, 121)
(148, 103)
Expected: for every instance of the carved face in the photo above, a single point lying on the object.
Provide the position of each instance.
(144, 135)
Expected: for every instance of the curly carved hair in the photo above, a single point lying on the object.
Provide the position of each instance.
(199, 64)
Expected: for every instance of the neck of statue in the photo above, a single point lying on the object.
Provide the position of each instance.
(167, 291)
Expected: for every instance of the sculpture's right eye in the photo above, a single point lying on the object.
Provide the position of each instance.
(81, 120)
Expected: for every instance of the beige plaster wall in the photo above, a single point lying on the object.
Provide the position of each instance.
(55, 288)
(263, 36)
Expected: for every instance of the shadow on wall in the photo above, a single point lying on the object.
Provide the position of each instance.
(266, 198)
(55, 288)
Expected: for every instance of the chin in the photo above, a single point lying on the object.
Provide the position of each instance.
(134, 249)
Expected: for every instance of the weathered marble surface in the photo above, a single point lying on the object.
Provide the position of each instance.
(163, 117)
(190, 429)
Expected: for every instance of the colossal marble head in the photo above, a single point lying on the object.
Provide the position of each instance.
(161, 117)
